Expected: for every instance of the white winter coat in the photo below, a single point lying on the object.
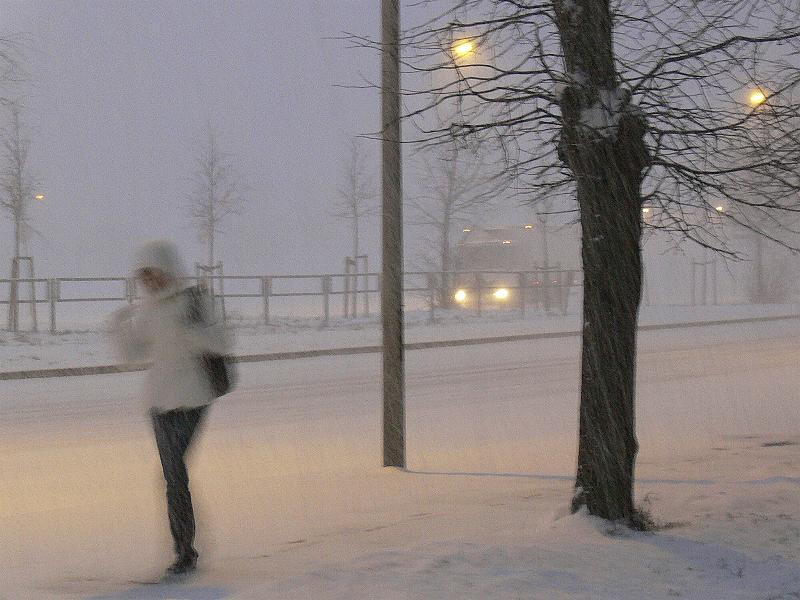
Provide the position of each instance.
(158, 330)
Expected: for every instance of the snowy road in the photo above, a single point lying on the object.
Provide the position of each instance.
(292, 502)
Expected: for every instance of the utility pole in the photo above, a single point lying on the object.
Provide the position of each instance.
(394, 445)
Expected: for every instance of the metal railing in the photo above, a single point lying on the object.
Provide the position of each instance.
(548, 289)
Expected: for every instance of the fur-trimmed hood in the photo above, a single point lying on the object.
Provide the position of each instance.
(162, 255)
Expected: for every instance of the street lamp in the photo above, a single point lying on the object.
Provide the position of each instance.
(757, 98)
(39, 197)
(463, 48)
(394, 438)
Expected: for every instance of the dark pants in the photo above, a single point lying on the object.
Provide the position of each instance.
(174, 430)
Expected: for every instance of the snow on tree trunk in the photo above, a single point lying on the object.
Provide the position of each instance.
(602, 144)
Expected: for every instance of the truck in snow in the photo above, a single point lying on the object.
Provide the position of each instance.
(531, 264)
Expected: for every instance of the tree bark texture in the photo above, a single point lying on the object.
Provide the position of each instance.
(607, 161)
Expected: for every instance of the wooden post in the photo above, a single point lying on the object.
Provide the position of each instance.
(13, 300)
(266, 292)
(346, 288)
(34, 318)
(52, 298)
(326, 295)
(366, 286)
(222, 293)
(431, 297)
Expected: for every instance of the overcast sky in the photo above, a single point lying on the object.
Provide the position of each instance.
(120, 94)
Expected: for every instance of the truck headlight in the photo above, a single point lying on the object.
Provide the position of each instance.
(501, 294)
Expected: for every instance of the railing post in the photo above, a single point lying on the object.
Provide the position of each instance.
(563, 292)
(546, 275)
(326, 294)
(13, 305)
(35, 321)
(266, 292)
(366, 287)
(222, 299)
(522, 287)
(354, 291)
(51, 297)
(346, 294)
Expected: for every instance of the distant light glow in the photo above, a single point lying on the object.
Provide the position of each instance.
(39, 196)
(719, 208)
(467, 230)
(506, 241)
(463, 48)
(529, 226)
(501, 294)
(646, 211)
(757, 98)
(461, 296)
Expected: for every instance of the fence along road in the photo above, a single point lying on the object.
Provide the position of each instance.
(299, 354)
(551, 285)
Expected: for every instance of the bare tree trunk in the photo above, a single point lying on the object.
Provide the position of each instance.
(210, 272)
(545, 246)
(355, 238)
(13, 300)
(17, 233)
(608, 170)
(445, 299)
(356, 263)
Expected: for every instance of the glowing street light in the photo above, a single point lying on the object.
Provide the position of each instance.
(463, 48)
(757, 98)
(39, 196)
(719, 209)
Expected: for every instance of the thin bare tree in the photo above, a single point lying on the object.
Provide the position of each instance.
(357, 193)
(12, 72)
(17, 185)
(216, 193)
(16, 180)
(618, 105)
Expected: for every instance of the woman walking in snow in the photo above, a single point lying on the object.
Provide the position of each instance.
(174, 328)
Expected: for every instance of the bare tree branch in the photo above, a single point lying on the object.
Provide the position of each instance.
(216, 193)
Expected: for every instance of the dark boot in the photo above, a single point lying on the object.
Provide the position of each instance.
(184, 564)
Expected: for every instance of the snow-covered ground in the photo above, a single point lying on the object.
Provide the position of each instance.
(27, 350)
(292, 502)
